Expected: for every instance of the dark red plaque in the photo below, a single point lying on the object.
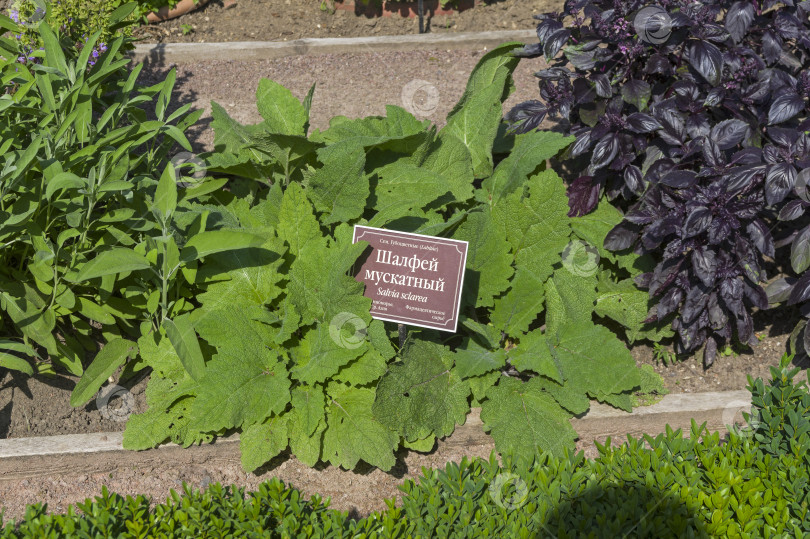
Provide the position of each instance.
(412, 279)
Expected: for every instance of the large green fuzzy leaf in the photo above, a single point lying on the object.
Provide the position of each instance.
(282, 112)
(319, 286)
(489, 263)
(531, 150)
(594, 361)
(339, 188)
(403, 394)
(536, 225)
(477, 115)
(261, 442)
(245, 382)
(352, 432)
(521, 417)
(403, 181)
(472, 359)
(323, 351)
(569, 300)
(520, 306)
(399, 131)
(244, 277)
(534, 354)
(297, 224)
(448, 157)
(629, 306)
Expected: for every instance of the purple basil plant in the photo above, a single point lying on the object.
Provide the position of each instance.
(695, 115)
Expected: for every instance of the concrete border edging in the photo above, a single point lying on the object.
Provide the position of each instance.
(31, 457)
(182, 53)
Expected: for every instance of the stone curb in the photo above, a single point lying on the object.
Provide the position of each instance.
(31, 457)
(184, 53)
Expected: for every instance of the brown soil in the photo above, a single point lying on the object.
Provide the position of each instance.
(285, 20)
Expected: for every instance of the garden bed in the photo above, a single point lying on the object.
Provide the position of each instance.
(40, 406)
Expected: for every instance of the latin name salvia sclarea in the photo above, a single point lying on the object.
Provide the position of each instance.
(411, 262)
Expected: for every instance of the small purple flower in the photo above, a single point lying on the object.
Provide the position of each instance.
(15, 15)
(103, 47)
(95, 54)
(21, 59)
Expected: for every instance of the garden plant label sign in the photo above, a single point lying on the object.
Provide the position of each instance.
(412, 279)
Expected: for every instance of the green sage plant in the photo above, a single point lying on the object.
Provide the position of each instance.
(72, 184)
(288, 352)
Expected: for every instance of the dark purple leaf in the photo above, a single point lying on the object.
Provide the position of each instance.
(739, 179)
(697, 221)
(801, 290)
(604, 151)
(704, 264)
(771, 46)
(621, 237)
(527, 116)
(532, 50)
(717, 316)
(761, 237)
(602, 85)
(729, 133)
(547, 27)
(747, 156)
(714, 97)
(658, 63)
(792, 210)
(693, 305)
(785, 107)
(731, 292)
(555, 42)
(582, 144)
(779, 290)
(778, 182)
(707, 60)
(663, 276)
(800, 251)
(712, 154)
(670, 301)
(748, 259)
(633, 179)
(583, 196)
(643, 123)
(745, 326)
(783, 137)
(738, 18)
(679, 179)
(756, 295)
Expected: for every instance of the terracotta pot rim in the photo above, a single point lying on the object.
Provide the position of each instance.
(182, 7)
